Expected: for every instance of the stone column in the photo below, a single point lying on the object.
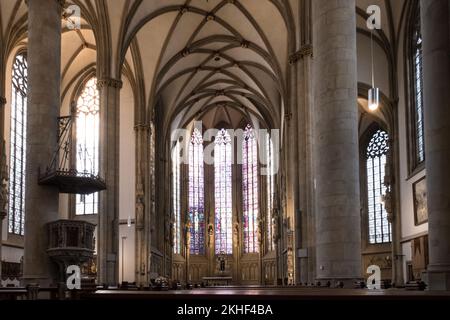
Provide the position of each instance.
(435, 17)
(292, 184)
(338, 235)
(150, 195)
(3, 176)
(303, 59)
(2, 114)
(108, 228)
(2, 217)
(142, 204)
(44, 80)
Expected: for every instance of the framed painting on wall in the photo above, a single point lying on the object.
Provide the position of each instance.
(420, 201)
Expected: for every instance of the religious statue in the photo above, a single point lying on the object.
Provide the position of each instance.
(171, 233)
(3, 182)
(93, 267)
(387, 203)
(236, 233)
(139, 211)
(210, 233)
(387, 197)
(260, 230)
(143, 268)
(275, 225)
(140, 205)
(222, 262)
(210, 230)
(167, 230)
(236, 228)
(187, 228)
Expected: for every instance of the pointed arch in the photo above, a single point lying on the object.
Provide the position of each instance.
(17, 163)
(223, 193)
(196, 194)
(250, 190)
(414, 81)
(87, 137)
(380, 230)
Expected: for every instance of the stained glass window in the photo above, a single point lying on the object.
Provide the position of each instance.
(196, 194)
(18, 146)
(270, 192)
(223, 193)
(418, 92)
(87, 139)
(176, 198)
(379, 226)
(250, 191)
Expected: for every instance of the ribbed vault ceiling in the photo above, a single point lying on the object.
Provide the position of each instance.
(199, 55)
(218, 60)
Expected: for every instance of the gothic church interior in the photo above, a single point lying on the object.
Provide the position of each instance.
(231, 143)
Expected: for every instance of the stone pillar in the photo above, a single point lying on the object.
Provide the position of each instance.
(435, 17)
(2, 114)
(151, 195)
(3, 176)
(44, 80)
(2, 217)
(108, 228)
(303, 59)
(291, 133)
(338, 234)
(292, 201)
(142, 204)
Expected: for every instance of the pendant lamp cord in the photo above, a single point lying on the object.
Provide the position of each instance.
(371, 55)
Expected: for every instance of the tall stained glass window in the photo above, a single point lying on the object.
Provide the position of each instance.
(250, 191)
(18, 146)
(176, 198)
(196, 194)
(418, 92)
(379, 226)
(87, 139)
(223, 193)
(270, 192)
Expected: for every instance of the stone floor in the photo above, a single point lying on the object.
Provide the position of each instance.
(280, 293)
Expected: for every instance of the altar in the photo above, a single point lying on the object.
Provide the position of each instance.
(217, 281)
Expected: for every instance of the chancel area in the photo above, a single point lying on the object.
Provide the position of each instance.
(202, 144)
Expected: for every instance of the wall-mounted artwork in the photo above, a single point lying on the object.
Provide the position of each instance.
(420, 202)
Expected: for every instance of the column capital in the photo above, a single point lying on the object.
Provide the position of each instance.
(305, 50)
(143, 127)
(288, 115)
(109, 82)
(2, 101)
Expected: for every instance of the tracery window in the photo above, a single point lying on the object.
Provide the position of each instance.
(176, 198)
(223, 193)
(418, 93)
(270, 192)
(379, 226)
(18, 146)
(250, 191)
(196, 194)
(87, 139)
